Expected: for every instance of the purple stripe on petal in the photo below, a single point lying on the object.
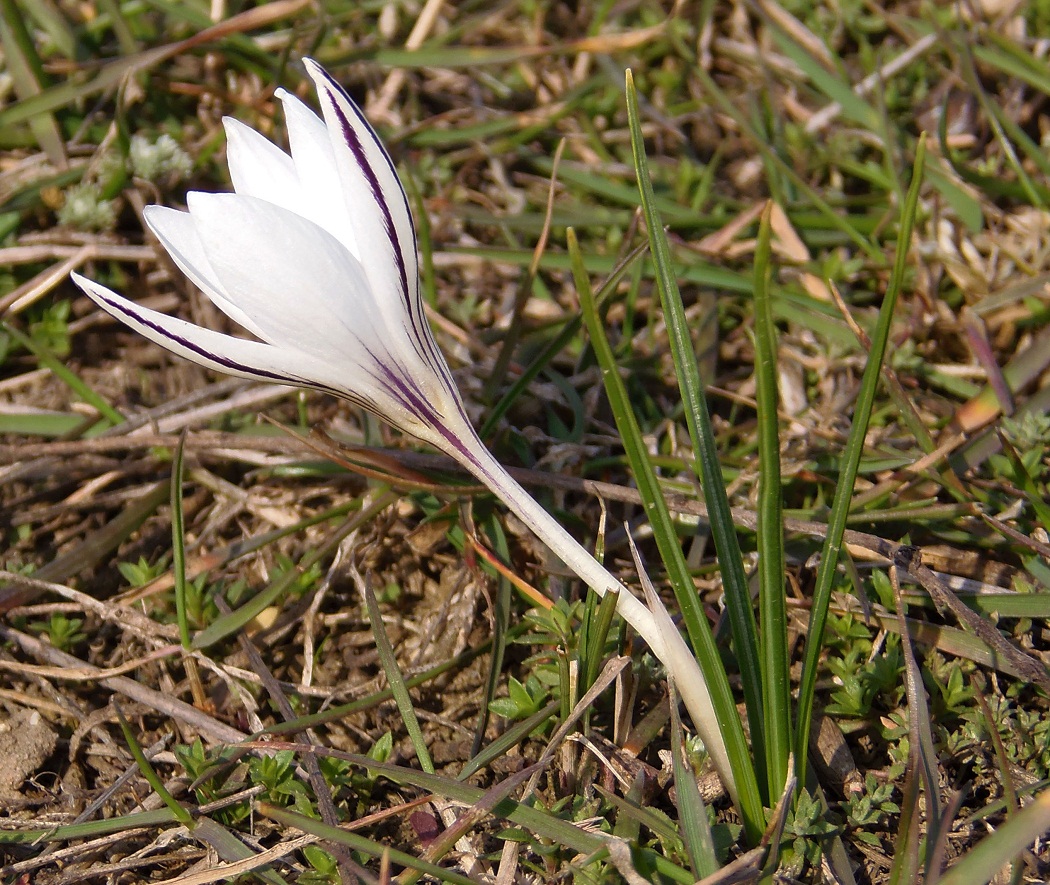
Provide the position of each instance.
(413, 400)
(419, 329)
(224, 362)
(353, 142)
(202, 352)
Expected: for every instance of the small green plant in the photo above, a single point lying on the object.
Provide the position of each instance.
(201, 609)
(868, 812)
(949, 689)
(804, 835)
(307, 578)
(866, 678)
(324, 868)
(276, 774)
(141, 573)
(210, 777)
(50, 330)
(85, 209)
(363, 783)
(62, 632)
(522, 701)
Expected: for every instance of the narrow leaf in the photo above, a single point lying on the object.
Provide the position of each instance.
(394, 676)
(850, 462)
(728, 728)
(776, 682)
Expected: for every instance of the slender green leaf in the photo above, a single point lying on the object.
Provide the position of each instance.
(706, 465)
(181, 814)
(27, 73)
(533, 818)
(692, 813)
(91, 829)
(670, 548)
(178, 544)
(837, 89)
(516, 733)
(61, 371)
(394, 676)
(776, 681)
(848, 473)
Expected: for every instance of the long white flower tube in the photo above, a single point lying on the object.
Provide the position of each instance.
(315, 255)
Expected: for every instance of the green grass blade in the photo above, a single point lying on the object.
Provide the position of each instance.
(178, 544)
(595, 639)
(225, 843)
(341, 711)
(996, 850)
(27, 73)
(1004, 54)
(692, 814)
(527, 815)
(848, 474)
(181, 814)
(40, 422)
(776, 681)
(556, 345)
(909, 843)
(224, 625)
(666, 536)
(394, 677)
(91, 829)
(997, 121)
(515, 734)
(707, 466)
(355, 842)
(51, 21)
(835, 88)
(230, 848)
(66, 375)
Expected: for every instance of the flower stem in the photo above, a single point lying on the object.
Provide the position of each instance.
(667, 644)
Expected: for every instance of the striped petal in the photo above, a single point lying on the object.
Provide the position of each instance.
(212, 350)
(376, 200)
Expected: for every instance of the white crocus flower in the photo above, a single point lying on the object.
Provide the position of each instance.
(315, 255)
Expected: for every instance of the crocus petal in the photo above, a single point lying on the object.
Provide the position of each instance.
(300, 287)
(177, 233)
(376, 199)
(258, 168)
(212, 350)
(317, 171)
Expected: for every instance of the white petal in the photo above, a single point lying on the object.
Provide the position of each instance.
(213, 350)
(373, 194)
(298, 285)
(177, 233)
(317, 171)
(388, 397)
(260, 169)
